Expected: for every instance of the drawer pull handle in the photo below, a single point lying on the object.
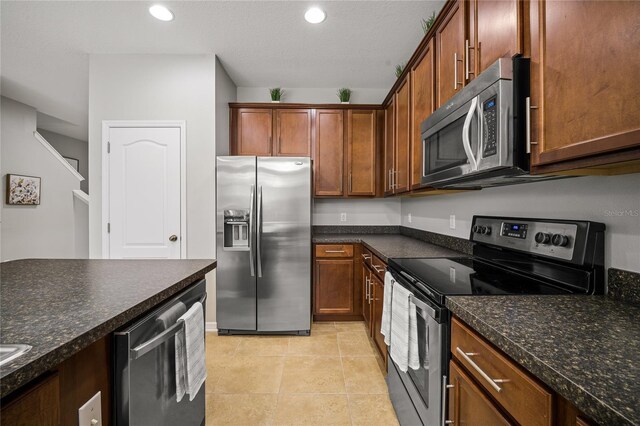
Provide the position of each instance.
(377, 268)
(366, 256)
(493, 382)
(334, 251)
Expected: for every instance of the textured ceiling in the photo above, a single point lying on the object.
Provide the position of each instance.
(45, 45)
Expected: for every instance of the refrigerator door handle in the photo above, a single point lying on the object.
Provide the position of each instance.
(251, 227)
(259, 232)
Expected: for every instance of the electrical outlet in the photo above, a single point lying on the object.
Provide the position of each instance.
(409, 218)
(90, 414)
(343, 217)
(452, 221)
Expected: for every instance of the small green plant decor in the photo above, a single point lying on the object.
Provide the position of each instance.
(428, 23)
(276, 94)
(344, 94)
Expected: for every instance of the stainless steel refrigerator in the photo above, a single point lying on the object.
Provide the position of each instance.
(263, 278)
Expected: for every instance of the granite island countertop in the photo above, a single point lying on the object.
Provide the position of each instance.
(387, 246)
(586, 348)
(61, 306)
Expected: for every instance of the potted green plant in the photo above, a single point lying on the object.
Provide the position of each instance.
(276, 94)
(399, 70)
(428, 23)
(344, 94)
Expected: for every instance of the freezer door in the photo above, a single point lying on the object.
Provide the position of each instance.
(235, 238)
(284, 244)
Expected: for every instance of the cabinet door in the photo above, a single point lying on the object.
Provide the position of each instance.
(584, 84)
(422, 105)
(293, 132)
(366, 296)
(496, 32)
(254, 132)
(450, 40)
(403, 131)
(334, 286)
(37, 405)
(329, 158)
(468, 404)
(361, 156)
(376, 314)
(389, 147)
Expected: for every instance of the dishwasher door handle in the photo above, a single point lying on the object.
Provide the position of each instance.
(156, 341)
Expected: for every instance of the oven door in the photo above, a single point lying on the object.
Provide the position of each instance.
(450, 147)
(422, 387)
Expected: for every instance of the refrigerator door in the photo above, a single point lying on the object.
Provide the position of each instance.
(283, 248)
(235, 238)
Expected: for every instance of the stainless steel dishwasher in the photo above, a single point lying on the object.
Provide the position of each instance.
(144, 371)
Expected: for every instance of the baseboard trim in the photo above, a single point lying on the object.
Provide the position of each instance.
(211, 326)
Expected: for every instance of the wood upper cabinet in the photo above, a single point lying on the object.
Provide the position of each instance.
(584, 84)
(361, 152)
(495, 32)
(329, 153)
(450, 53)
(253, 131)
(422, 105)
(402, 136)
(389, 144)
(468, 404)
(293, 132)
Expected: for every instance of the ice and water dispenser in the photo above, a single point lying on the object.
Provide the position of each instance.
(236, 229)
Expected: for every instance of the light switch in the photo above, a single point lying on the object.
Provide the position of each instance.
(409, 218)
(343, 217)
(90, 414)
(452, 221)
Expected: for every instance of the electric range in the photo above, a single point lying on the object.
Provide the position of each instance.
(511, 256)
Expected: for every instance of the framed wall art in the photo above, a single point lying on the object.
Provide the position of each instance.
(23, 190)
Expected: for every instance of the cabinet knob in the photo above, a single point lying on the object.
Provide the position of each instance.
(173, 238)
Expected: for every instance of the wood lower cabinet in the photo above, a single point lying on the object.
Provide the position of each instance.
(366, 294)
(377, 299)
(252, 132)
(361, 152)
(337, 288)
(329, 153)
(373, 298)
(585, 95)
(39, 405)
(293, 132)
(422, 105)
(468, 404)
(450, 53)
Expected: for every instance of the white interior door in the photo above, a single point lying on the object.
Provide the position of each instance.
(144, 192)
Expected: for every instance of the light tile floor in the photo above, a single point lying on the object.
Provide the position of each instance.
(332, 377)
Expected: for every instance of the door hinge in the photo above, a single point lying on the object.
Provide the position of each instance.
(108, 147)
(108, 227)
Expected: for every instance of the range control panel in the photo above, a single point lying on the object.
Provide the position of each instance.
(548, 238)
(490, 131)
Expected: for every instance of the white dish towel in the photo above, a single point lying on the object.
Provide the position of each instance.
(191, 369)
(404, 330)
(385, 326)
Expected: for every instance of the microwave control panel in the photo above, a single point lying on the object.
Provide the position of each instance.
(490, 126)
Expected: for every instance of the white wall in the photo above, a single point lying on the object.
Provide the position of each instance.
(53, 229)
(160, 87)
(312, 95)
(613, 200)
(226, 91)
(359, 211)
(73, 148)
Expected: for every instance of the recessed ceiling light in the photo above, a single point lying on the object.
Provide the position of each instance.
(315, 15)
(161, 13)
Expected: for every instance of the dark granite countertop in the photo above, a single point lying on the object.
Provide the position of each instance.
(387, 246)
(586, 348)
(61, 306)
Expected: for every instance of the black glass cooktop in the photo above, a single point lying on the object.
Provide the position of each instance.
(470, 276)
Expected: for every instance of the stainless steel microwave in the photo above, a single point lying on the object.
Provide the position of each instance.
(479, 137)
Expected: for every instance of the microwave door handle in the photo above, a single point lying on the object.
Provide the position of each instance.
(465, 135)
(481, 135)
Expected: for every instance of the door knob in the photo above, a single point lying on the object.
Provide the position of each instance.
(173, 238)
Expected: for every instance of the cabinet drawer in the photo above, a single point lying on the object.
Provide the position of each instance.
(378, 267)
(519, 393)
(367, 256)
(334, 250)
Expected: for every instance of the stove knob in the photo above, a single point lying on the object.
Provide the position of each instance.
(475, 229)
(481, 229)
(560, 240)
(487, 230)
(543, 238)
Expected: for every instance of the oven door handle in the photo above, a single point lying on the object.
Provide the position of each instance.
(466, 143)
